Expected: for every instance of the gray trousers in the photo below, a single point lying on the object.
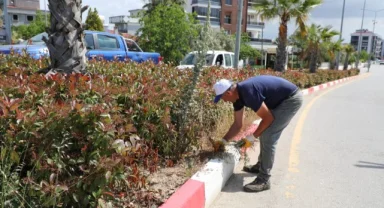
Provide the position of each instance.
(283, 114)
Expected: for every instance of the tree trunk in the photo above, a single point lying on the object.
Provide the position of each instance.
(346, 62)
(65, 41)
(313, 61)
(332, 64)
(281, 53)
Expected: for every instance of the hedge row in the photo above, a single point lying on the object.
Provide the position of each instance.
(88, 140)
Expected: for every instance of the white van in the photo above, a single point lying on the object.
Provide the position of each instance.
(223, 59)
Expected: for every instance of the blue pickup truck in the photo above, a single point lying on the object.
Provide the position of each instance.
(100, 45)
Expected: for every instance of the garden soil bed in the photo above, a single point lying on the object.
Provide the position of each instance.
(167, 180)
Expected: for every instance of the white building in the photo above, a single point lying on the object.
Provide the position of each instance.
(127, 23)
(371, 42)
(200, 7)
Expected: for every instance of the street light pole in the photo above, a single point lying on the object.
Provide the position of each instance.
(360, 43)
(262, 46)
(340, 37)
(7, 24)
(238, 33)
(373, 50)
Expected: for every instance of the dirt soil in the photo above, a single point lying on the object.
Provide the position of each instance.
(167, 180)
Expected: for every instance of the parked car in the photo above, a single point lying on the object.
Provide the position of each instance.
(381, 62)
(223, 59)
(100, 45)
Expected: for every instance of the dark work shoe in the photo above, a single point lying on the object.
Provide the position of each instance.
(257, 185)
(252, 168)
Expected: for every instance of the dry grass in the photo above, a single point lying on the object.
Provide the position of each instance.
(224, 125)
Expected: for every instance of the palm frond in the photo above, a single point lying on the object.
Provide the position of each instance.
(267, 10)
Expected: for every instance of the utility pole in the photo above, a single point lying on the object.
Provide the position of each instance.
(7, 23)
(262, 46)
(360, 37)
(238, 33)
(340, 37)
(373, 51)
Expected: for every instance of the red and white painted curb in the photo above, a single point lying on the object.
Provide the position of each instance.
(202, 189)
(325, 85)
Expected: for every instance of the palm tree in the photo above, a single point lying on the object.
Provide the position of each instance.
(349, 49)
(285, 10)
(318, 37)
(299, 41)
(333, 48)
(65, 41)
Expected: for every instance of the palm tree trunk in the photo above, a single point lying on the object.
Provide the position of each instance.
(66, 43)
(281, 53)
(346, 62)
(332, 64)
(313, 61)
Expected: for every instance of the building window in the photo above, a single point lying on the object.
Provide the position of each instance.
(15, 17)
(30, 18)
(227, 19)
(228, 2)
(203, 11)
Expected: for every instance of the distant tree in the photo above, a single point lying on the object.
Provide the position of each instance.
(151, 5)
(333, 48)
(93, 21)
(227, 42)
(35, 27)
(364, 56)
(168, 29)
(349, 49)
(285, 10)
(318, 39)
(246, 50)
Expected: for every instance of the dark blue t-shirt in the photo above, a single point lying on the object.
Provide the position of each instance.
(265, 88)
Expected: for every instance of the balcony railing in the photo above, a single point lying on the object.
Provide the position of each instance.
(260, 40)
(213, 2)
(255, 24)
(253, 2)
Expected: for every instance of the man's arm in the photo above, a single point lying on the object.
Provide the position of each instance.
(236, 126)
(266, 119)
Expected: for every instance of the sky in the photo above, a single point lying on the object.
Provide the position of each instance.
(329, 13)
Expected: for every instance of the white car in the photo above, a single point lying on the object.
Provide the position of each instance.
(223, 59)
(381, 62)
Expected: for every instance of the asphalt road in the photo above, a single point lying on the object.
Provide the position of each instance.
(331, 155)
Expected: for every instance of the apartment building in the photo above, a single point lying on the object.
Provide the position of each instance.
(20, 12)
(127, 23)
(371, 42)
(224, 15)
